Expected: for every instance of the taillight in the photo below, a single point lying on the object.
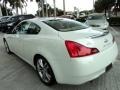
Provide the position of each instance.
(78, 50)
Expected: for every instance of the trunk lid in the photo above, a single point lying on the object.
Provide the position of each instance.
(100, 39)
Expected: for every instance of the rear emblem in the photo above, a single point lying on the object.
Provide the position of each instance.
(105, 41)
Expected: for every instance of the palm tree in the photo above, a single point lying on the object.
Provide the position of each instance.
(41, 4)
(54, 2)
(25, 5)
(4, 2)
(17, 4)
(5, 5)
(46, 9)
(0, 10)
(64, 6)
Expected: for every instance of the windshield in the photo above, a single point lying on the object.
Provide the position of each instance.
(4, 19)
(97, 17)
(65, 25)
(13, 19)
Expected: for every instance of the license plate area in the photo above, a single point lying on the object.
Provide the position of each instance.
(108, 68)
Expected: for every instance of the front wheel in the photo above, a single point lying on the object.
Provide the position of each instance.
(45, 72)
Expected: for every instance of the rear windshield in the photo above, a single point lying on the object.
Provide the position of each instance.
(65, 25)
(97, 17)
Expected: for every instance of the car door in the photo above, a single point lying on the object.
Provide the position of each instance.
(29, 38)
(18, 37)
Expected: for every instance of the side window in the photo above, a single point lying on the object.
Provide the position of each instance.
(22, 28)
(33, 29)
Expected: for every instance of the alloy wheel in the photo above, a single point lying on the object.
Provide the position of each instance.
(44, 71)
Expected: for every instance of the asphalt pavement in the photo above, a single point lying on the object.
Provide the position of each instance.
(15, 74)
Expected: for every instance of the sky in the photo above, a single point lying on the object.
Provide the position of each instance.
(70, 4)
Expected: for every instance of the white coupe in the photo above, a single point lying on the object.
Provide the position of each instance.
(62, 50)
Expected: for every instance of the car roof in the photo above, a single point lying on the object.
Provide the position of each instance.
(47, 18)
(22, 15)
(38, 19)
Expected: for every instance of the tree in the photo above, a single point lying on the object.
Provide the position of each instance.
(40, 5)
(5, 11)
(4, 3)
(54, 2)
(64, 6)
(50, 11)
(0, 10)
(17, 4)
(60, 12)
(101, 5)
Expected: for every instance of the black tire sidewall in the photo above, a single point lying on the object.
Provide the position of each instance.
(6, 46)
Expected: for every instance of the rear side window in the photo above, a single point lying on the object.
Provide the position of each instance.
(22, 28)
(65, 25)
(33, 29)
(27, 28)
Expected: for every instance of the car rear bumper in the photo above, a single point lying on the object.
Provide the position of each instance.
(81, 70)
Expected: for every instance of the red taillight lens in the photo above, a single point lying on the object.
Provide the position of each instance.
(78, 50)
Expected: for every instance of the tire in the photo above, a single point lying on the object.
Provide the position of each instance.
(45, 72)
(7, 47)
